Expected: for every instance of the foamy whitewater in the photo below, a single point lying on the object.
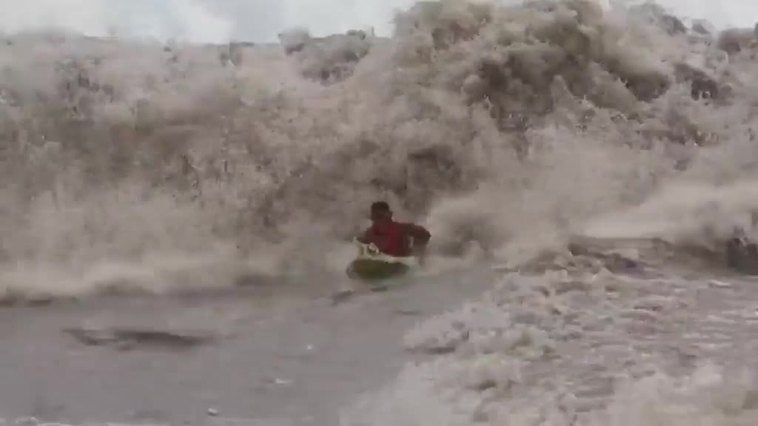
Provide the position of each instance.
(598, 159)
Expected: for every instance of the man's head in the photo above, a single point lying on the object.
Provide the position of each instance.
(380, 212)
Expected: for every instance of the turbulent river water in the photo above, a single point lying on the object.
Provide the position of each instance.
(174, 217)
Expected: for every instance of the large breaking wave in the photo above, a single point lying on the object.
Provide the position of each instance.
(504, 129)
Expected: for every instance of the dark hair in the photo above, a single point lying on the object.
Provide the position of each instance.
(380, 206)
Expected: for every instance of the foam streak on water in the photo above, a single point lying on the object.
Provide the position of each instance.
(582, 346)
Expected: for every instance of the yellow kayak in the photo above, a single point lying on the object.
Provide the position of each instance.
(371, 264)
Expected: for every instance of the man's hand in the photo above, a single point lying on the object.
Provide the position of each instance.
(418, 250)
(364, 237)
(420, 253)
(420, 239)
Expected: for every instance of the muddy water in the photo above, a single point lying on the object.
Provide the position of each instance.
(205, 358)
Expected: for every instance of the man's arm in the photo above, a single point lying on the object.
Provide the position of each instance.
(419, 234)
(364, 237)
(420, 237)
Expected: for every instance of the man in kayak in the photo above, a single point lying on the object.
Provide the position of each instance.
(396, 243)
(394, 238)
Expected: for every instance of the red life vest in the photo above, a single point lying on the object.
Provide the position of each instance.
(390, 238)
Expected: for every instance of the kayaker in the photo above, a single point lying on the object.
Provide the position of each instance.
(394, 238)
(396, 242)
